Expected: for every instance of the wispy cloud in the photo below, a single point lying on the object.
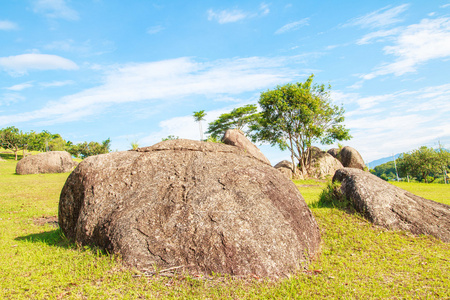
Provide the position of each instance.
(57, 83)
(415, 45)
(155, 81)
(293, 26)
(233, 15)
(397, 122)
(20, 64)
(55, 9)
(377, 36)
(20, 86)
(155, 29)
(264, 9)
(7, 25)
(10, 98)
(226, 16)
(379, 18)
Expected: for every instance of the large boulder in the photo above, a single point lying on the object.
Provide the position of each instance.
(391, 207)
(350, 158)
(48, 162)
(236, 138)
(322, 164)
(205, 206)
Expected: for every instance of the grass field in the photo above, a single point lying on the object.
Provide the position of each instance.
(358, 260)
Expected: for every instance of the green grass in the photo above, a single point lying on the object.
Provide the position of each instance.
(357, 261)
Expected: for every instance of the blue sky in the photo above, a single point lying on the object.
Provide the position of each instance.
(137, 70)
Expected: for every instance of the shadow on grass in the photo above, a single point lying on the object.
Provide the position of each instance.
(51, 238)
(56, 238)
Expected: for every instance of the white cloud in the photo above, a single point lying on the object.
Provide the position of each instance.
(10, 98)
(397, 122)
(155, 29)
(169, 80)
(379, 18)
(19, 87)
(20, 64)
(55, 9)
(7, 25)
(226, 16)
(415, 45)
(57, 83)
(85, 48)
(264, 8)
(293, 26)
(377, 35)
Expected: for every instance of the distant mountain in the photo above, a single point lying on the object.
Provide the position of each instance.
(381, 161)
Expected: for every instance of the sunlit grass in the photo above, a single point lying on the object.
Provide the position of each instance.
(357, 260)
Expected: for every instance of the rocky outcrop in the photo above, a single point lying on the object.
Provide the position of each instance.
(350, 158)
(236, 138)
(48, 162)
(391, 207)
(208, 207)
(322, 164)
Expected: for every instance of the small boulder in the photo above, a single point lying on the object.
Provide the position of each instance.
(322, 164)
(334, 152)
(285, 167)
(350, 158)
(48, 162)
(391, 207)
(236, 138)
(205, 206)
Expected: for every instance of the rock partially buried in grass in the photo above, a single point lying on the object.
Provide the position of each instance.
(210, 207)
(392, 207)
(48, 162)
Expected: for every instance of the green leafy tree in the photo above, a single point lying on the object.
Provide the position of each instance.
(419, 163)
(238, 118)
(86, 149)
(384, 170)
(199, 116)
(13, 139)
(294, 116)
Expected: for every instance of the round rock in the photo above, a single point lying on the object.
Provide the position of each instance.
(204, 206)
(48, 162)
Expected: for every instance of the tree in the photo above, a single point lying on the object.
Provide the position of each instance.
(294, 116)
(238, 118)
(420, 163)
(86, 149)
(199, 116)
(12, 138)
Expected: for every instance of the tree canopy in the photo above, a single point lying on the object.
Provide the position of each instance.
(238, 118)
(424, 163)
(294, 116)
(14, 139)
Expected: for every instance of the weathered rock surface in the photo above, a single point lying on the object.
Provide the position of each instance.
(334, 152)
(285, 167)
(48, 162)
(350, 158)
(235, 137)
(211, 207)
(393, 208)
(323, 164)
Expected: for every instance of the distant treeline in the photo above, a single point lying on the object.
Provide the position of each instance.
(16, 140)
(422, 165)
